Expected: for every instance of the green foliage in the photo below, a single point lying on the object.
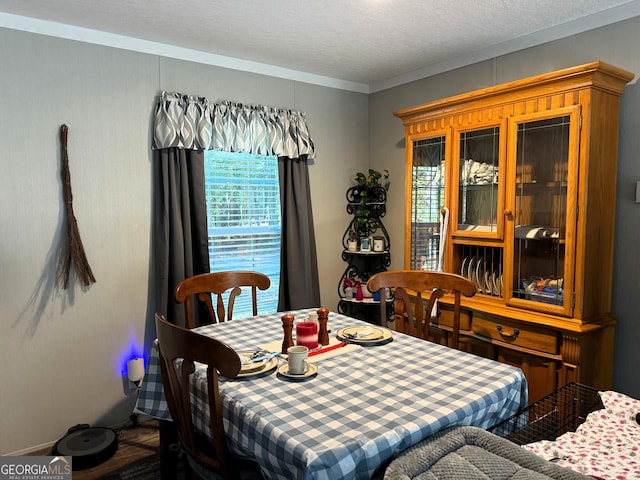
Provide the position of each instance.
(365, 221)
(364, 224)
(372, 180)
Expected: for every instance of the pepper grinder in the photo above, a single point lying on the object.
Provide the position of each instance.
(287, 326)
(323, 334)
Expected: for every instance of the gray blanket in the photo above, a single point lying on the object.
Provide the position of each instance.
(470, 453)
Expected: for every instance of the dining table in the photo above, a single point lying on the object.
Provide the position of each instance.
(364, 403)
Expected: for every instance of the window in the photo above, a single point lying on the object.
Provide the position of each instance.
(243, 215)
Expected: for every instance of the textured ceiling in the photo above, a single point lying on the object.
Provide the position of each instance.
(368, 44)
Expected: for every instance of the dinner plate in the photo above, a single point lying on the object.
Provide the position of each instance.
(247, 365)
(464, 266)
(488, 282)
(378, 335)
(498, 285)
(479, 276)
(298, 377)
(255, 368)
(471, 270)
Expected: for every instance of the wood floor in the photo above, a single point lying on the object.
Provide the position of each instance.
(134, 444)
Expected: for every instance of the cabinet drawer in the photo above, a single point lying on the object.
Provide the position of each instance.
(446, 318)
(519, 334)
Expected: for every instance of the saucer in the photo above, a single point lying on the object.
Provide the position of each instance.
(298, 377)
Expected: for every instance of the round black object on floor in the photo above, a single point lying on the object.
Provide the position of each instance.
(89, 446)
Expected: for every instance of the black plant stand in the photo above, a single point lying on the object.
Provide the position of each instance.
(362, 264)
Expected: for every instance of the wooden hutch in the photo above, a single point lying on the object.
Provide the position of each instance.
(527, 172)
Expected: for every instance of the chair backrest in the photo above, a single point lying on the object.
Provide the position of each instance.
(413, 318)
(178, 349)
(202, 287)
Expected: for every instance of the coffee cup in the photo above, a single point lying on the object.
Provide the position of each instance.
(298, 363)
(307, 334)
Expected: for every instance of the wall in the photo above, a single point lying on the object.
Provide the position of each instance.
(62, 352)
(615, 44)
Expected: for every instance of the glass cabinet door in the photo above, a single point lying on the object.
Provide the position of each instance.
(427, 200)
(544, 156)
(477, 209)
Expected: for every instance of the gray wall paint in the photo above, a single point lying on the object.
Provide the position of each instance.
(62, 353)
(616, 44)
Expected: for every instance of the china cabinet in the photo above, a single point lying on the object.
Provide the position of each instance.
(527, 171)
(366, 250)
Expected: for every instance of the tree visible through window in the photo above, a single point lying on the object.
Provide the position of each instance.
(243, 216)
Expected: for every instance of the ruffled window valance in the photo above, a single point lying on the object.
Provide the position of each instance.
(195, 123)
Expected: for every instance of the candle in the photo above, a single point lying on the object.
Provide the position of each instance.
(307, 334)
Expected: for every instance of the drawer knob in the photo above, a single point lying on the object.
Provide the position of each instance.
(511, 336)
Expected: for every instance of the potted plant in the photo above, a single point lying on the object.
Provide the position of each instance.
(373, 179)
(352, 240)
(368, 197)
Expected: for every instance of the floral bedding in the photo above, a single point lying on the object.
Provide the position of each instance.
(606, 446)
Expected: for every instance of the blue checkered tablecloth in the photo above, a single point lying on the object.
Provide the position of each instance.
(362, 407)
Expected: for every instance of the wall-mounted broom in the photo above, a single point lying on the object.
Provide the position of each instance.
(73, 253)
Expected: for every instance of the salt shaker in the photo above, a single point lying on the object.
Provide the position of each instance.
(287, 326)
(313, 317)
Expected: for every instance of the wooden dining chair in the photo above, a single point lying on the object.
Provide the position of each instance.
(178, 349)
(414, 317)
(200, 288)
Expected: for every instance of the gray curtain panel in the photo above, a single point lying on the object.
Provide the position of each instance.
(184, 126)
(180, 245)
(299, 284)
